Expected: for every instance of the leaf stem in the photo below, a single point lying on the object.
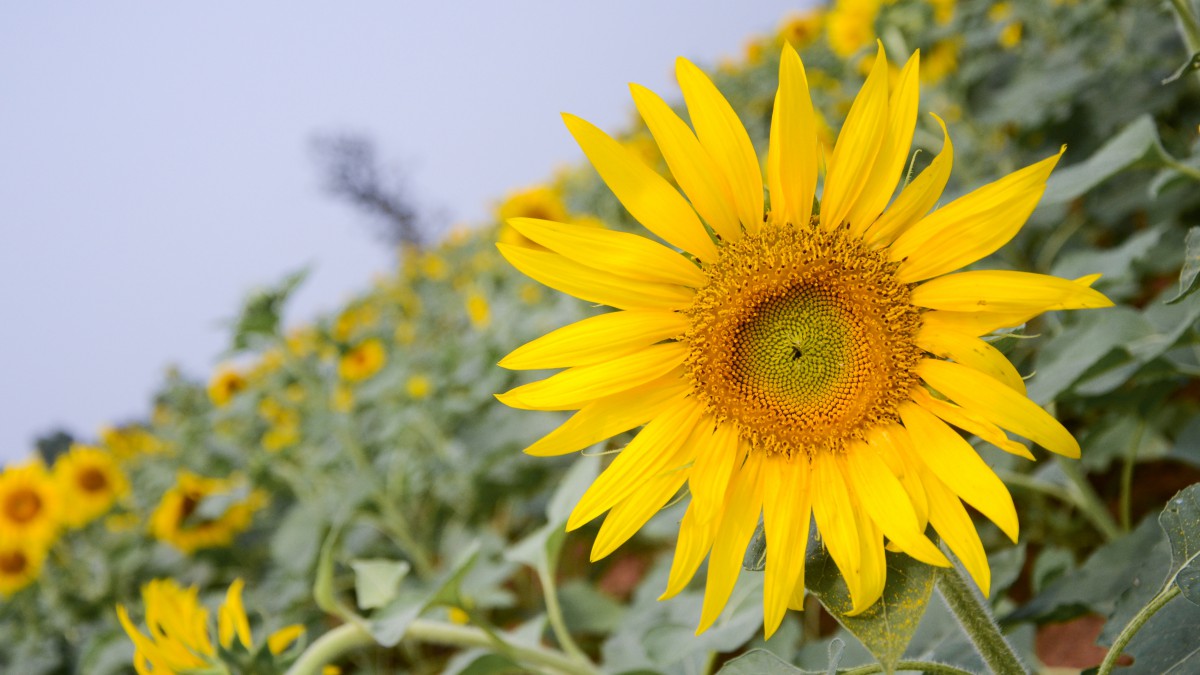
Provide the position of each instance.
(969, 607)
(1135, 624)
(1126, 498)
(554, 612)
(1189, 26)
(349, 637)
(1087, 499)
(932, 667)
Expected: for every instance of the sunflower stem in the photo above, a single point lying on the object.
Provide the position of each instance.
(1126, 499)
(350, 637)
(975, 617)
(931, 667)
(1135, 624)
(554, 611)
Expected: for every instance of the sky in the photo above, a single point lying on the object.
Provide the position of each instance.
(156, 166)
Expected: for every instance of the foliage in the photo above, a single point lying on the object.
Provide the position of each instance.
(398, 513)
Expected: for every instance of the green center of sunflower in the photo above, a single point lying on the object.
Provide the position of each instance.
(803, 338)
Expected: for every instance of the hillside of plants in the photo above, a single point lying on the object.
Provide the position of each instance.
(355, 481)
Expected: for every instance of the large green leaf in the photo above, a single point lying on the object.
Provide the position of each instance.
(1134, 142)
(389, 624)
(1189, 275)
(1181, 521)
(887, 626)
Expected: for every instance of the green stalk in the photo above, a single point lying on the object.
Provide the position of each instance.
(349, 637)
(975, 617)
(1164, 596)
(931, 667)
(1126, 503)
(554, 613)
(1189, 28)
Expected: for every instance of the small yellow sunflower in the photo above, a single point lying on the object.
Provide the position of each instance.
(226, 383)
(20, 564)
(90, 482)
(129, 441)
(792, 363)
(30, 504)
(180, 638)
(178, 520)
(363, 360)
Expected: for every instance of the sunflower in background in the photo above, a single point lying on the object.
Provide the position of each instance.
(90, 482)
(20, 564)
(363, 360)
(226, 383)
(796, 363)
(30, 505)
(180, 519)
(180, 638)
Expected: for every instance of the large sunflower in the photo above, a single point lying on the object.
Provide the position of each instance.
(792, 362)
(181, 520)
(91, 481)
(30, 505)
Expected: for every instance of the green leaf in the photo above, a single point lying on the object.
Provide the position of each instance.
(1133, 143)
(1189, 66)
(389, 624)
(1190, 273)
(377, 581)
(1181, 521)
(542, 547)
(261, 313)
(761, 662)
(886, 628)
(1167, 643)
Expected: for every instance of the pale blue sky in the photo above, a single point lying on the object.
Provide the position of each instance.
(154, 161)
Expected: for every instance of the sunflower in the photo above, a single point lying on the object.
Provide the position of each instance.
(90, 482)
(180, 638)
(226, 383)
(181, 521)
(792, 362)
(363, 360)
(30, 504)
(20, 564)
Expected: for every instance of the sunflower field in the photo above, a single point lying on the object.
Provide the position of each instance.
(877, 350)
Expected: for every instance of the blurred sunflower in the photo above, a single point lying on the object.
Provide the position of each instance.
(363, 360)
(180, 521)
(90, 482)
(20, 564)
(180, 637)
(224, 385)
(792, 362)
(30, 504)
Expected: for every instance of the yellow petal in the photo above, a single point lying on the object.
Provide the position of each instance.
(693, 168)
(716, 457)
(630, 515)
(895, 448)
(620, 253)
(593, 285)
(733, 535)
(998, 404)
(972, 352)
(609, 416)
(695, 539)
(873, 563)
(649, 454)
(969, 422)
(597, 339)
(886, 502)
(916, 198)
(954, 526)
(231, 617)
(975, 323)
(857, 146)
(956, 464)
(284, 637)
(576, 387)
(792, 158)
(971, 226)
(1006, 292)
(786, 515)
(722, 134)
(893, 151)
(834, 513)
(647, 196)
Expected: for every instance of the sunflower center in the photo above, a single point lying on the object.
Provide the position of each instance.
(187, 506)
(23, 506)
(92, 480)
(13, 562)
(803, 338)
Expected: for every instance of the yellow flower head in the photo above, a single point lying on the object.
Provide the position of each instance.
(130, 441)
(800, 30)
(850, 25)
(363, 360)
(90, 482)
(225, 384)
(795, 365)
(181, 521)
(20, 564)
(180, 636)
(542, 201)
(941, 60)
(478, 310)
(343, 399)
(30, 504)
(418, 387)
(353, 320)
